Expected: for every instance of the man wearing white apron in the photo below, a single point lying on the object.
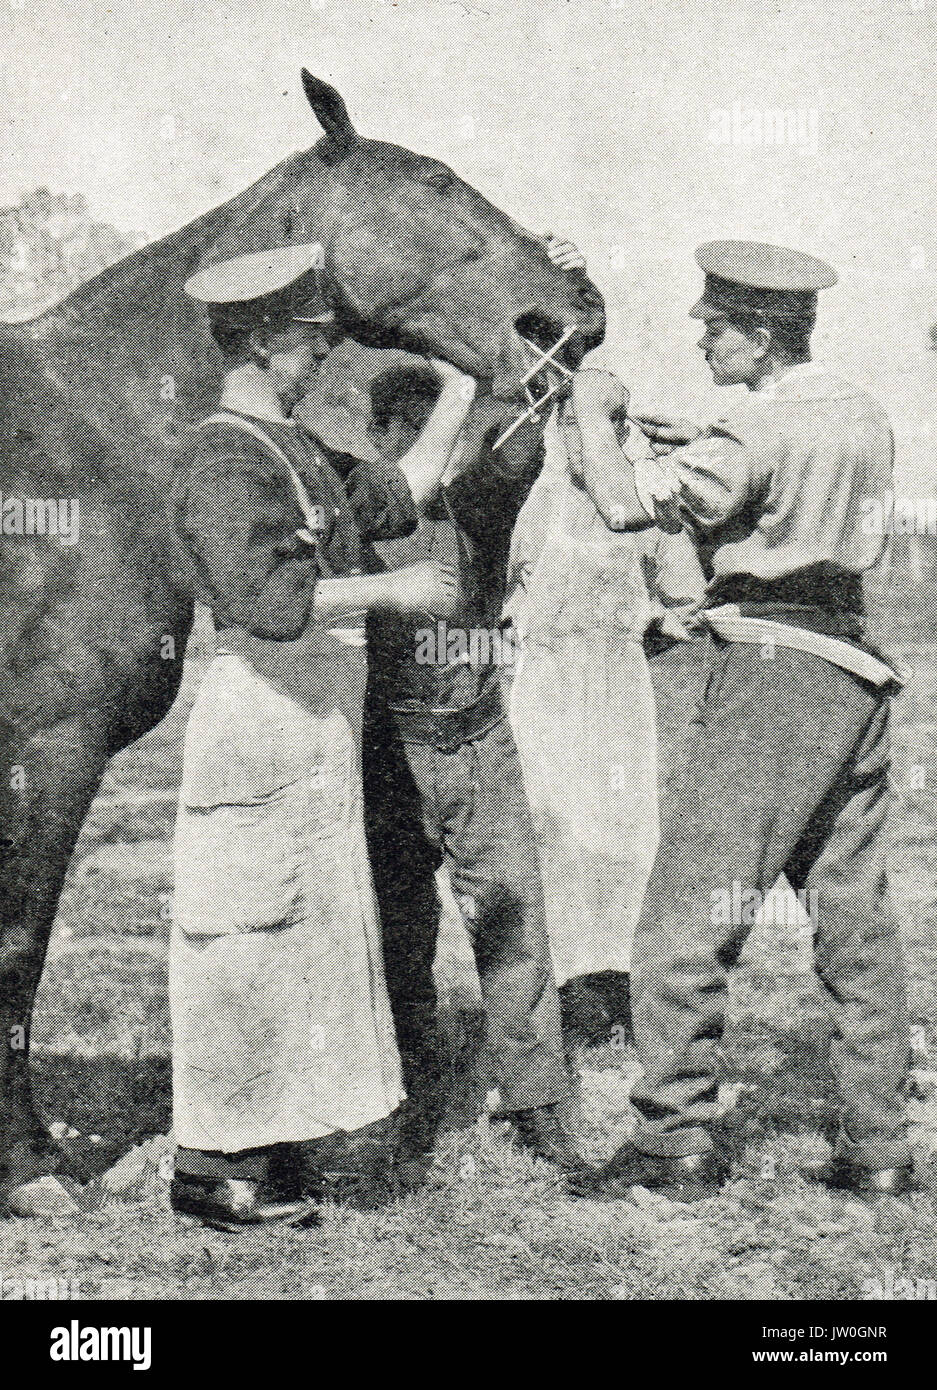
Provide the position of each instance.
(283, 1034)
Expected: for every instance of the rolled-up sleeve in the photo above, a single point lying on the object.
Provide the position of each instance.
(238, 525)
(713, 478)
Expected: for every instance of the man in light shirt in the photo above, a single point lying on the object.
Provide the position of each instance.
(786, 768)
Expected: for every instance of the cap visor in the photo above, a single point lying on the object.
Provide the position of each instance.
(252, 277)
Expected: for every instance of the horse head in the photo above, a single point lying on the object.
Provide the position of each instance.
(415, 258)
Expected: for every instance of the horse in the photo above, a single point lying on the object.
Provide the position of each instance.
(95, 392)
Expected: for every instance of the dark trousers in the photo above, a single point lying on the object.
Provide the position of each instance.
(466, 808)
(785, 770)
(282, 1168)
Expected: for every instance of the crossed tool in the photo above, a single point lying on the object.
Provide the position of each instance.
(544, 359)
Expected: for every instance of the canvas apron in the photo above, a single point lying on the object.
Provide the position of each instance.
(584, 718)
(282, 1028)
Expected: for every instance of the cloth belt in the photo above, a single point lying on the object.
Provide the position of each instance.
(729, 623)
(447, 729)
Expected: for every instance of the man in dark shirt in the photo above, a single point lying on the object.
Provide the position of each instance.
(443, 783)
(269, 931)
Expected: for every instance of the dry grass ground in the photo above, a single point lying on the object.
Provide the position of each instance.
(490, 1222)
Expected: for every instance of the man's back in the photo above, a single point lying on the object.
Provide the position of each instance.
(819, 451)
(415, 659)
(467, 524)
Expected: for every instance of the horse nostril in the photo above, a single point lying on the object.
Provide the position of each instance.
(590, 298)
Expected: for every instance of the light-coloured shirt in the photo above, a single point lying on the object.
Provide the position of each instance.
(788, 479)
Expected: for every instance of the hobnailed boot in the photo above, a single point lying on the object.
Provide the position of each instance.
(689, 1179)
(232, 1204)
(349, 1169)
(866, 1183)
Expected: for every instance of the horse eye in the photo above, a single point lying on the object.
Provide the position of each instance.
(441, 180)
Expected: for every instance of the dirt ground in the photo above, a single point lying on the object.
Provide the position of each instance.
(490, 1222)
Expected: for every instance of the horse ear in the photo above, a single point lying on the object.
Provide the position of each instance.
(330, 112)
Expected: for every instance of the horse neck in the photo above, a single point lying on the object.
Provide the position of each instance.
(149, 283)
(141, 283)
(135, 345)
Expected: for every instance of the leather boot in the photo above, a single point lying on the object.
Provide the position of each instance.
(542, 1133)
(689, 1179)
(232, 1204)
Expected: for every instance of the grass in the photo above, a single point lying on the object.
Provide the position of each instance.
(489, 1223)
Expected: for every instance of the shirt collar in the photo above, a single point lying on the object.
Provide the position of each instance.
(801, 371)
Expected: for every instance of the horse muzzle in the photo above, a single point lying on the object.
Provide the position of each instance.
(544, 350)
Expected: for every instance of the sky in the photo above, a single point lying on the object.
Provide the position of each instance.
(637, 128)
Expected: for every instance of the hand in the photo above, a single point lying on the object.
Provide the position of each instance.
(427, 587)
(676, 624)
(661, 481)
(679, 623)
(564, 254)
(666, 434)
(596, 392)
(464, 385)
(490, 414)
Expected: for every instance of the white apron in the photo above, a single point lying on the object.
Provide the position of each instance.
(281, 1022)
(583, 713)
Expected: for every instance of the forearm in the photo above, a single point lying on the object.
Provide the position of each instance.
(344, 596)
(282, 610)
(424, 464)
(608, 476)
(492, 485)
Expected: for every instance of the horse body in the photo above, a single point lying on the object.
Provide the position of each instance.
(93, 394)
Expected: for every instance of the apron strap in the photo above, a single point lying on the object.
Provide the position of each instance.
(350, 636)
(306, 533)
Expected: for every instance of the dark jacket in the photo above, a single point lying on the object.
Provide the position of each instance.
(236, 519)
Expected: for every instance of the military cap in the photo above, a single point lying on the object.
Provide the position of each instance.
(752, 277)
(282, 283)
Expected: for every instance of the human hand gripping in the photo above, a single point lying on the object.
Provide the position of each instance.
(426, 587)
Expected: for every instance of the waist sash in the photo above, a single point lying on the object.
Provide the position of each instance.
(729, 623)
